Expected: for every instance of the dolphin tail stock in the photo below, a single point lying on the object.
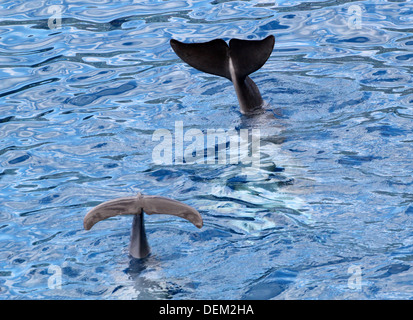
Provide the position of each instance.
(139, 247)
(234, 62)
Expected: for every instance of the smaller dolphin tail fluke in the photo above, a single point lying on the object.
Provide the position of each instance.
(162, 205)
(121, 206)
(139, 247)
(210, 57)
(250, 55)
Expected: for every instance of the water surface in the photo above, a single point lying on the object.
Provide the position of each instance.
(328, 215)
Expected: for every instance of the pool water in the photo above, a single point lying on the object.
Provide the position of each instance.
(327, 213)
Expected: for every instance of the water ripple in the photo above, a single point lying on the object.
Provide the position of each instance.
(85, 85)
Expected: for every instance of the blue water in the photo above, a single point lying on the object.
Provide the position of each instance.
(327, 215)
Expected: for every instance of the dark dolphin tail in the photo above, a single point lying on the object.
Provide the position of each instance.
(234, 62)
(139, 247)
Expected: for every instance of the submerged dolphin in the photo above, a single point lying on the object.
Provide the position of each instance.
(139, 247)
(234, 62)
(88, 98)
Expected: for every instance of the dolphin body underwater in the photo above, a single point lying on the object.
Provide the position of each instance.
(234, 62)
(139, 247)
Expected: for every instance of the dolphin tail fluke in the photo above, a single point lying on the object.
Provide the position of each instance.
(121, 206)
(250, 55)
(162, 205)
(210, 57)
(139, 247)
(214, 56)
(135, 205)
(234, 62)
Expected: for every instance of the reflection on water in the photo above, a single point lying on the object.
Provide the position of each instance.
(86, 84)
